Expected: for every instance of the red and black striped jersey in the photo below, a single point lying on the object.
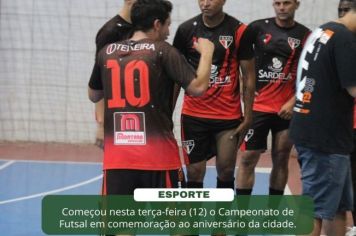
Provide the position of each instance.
(277, 52)
(138, 79)
(222, 99)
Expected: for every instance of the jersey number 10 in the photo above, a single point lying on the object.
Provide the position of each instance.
(119, 98)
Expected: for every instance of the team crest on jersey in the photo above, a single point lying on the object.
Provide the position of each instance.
(226, 41)
(194, 40)
(129, 128)
(267, 38)
(293, 43)
(188, 145)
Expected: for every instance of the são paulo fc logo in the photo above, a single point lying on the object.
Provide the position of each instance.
(188, 145)
(226, 41)
(293, 43)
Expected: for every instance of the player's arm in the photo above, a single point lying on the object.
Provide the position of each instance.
(200, 83)
(286, 110)
(95, 87)
(176, 91)
(247, 69)
(249, 84)
(178, 43)
(195, 82)
(352, 91)
(95, 95)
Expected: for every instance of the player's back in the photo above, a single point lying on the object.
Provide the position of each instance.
(138, 105)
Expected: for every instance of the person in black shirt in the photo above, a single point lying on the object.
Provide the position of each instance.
(117, 28)
(322, 122)
(278, 42)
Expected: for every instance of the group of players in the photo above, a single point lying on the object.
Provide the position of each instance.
(219, 62)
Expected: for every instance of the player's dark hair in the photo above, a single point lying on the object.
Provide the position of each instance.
(343, 9)
(145, 12)
(352, 3)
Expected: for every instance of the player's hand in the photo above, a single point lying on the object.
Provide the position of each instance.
(204, 46)
(286, 111)
(241, 131)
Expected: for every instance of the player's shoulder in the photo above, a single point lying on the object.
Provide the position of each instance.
(113, 25)
(192, 22)
(260, 25)
(108, 24)
(232, 19)
(302, 27)
(232, 22)
(337, 31)
(262, 22)
(116, 21)
(163, 46)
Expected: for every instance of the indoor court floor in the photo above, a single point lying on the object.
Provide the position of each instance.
(30, 171)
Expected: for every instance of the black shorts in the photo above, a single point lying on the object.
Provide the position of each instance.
(124, 182)
(198, 136)
(256, 137)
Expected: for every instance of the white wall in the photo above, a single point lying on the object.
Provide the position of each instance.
(47, 51)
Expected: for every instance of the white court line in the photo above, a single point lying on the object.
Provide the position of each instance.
(258, 170)
(8, 163)
(53, 191)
